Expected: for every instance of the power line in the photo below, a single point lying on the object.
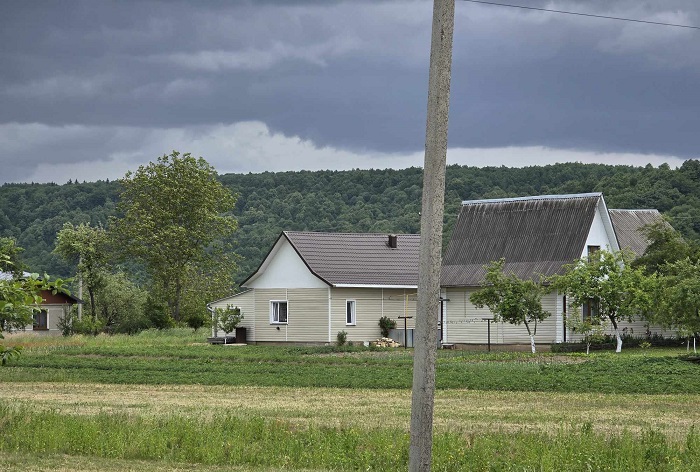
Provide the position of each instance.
(591, 15)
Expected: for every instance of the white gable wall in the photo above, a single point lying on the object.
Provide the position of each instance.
(601, 232)
(285, 269)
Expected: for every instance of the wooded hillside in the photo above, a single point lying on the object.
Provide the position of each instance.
(352, 201)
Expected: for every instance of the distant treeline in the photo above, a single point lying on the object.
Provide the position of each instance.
(381, 201)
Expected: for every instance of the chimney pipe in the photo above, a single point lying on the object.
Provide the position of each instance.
(393, 241)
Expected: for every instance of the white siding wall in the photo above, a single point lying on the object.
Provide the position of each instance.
(400, 302)
(246, 302)
(370, 305)
(264, 331)
(308, 314)
(636, 328)
(464, 322)
(368, 310)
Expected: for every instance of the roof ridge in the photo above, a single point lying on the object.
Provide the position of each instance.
(533, 197)
(634, 209)
(334, 233)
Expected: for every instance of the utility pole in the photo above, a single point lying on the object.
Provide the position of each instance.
(425, 342)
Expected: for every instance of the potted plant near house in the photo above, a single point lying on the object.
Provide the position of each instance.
(386, 324)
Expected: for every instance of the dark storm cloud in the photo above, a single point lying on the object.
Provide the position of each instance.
(350, 75)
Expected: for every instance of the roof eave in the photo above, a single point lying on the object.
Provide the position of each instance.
(351, 285)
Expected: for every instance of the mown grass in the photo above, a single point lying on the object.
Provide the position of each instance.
(180, 357)
(25, 462)
(264, 443)
(167, 401)
(455, 410)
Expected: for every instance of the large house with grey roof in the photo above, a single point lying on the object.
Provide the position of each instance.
(311, 285)
(536, 236)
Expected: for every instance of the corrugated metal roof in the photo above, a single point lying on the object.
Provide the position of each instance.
(628, 226)
(358, 258)
(535, 235)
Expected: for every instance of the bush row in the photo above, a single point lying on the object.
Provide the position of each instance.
(609, 342)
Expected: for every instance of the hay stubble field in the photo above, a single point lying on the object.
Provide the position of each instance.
(304, 408)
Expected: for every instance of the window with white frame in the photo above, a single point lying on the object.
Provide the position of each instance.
(350, 318)
(278, 311)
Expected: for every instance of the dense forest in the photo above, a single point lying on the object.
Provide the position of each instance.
(350, 201)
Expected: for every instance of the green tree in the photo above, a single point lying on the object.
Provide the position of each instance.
(666, 245)
(511, 299)
(121, 304)
(10, 256)
(204, 284)
(678, 301)
(86, 245)
(591, 330)
(620, 291)
(172, 218)
(20, 299)
(228, 320)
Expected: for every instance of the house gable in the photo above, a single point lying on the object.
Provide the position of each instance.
(283, 267)
(600, 233)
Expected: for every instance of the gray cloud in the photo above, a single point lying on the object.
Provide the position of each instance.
(346, 75)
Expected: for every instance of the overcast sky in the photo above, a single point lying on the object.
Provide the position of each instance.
(90, 89)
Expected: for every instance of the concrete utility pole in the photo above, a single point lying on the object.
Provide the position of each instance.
(425, 341)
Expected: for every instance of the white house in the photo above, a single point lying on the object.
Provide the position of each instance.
(312, 285)
(536, 236)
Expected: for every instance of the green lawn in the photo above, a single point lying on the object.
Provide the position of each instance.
(182, 358)
(168, 401)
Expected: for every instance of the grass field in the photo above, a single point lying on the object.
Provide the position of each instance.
(111, 403)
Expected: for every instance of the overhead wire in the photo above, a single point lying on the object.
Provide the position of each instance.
(591, 15)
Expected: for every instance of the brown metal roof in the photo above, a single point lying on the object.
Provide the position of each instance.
(628, 226)
(535, 235)
(358, 258)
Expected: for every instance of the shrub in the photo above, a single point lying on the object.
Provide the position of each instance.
(65, 323)
(608, 342)
(196, 320)
(70, 324)
(157, 313)
(385, 324)
(88, 326)
(341, 337)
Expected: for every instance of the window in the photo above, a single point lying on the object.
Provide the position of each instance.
(590, 310)
(40, 320)
(278, 312)
(350, 318)
(591, 251)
